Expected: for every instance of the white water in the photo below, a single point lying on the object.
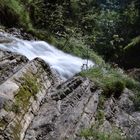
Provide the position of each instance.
(65, 64)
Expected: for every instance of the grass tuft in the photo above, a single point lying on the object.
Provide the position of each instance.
(111, 80)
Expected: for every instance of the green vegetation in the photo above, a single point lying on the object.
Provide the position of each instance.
(16, 130)
(111, 80)
(13, 13)
(85, 28)
(106, 27)
(134, 42)
(29, 88)
(94, 133)
(77, 47)
(3, 123)
(100, 116)
(131, 53)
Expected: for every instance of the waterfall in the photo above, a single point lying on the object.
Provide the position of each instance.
(66, 65)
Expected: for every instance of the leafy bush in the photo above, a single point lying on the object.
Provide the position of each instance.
(76, 47)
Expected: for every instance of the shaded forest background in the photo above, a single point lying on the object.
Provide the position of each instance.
(111, 28)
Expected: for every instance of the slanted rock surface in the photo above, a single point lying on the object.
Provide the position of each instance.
(75, 105)
(36, 104)
(10, 63)
(68, 109)
(122, 113)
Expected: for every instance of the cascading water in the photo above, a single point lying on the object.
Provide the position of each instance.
(65, 64)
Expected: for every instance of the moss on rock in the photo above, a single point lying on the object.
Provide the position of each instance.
(16, 130)
(29, 88)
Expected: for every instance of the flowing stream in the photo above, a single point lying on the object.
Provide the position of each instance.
(65, 64)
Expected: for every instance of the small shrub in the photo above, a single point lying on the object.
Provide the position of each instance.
(118, 88)
(114, 88)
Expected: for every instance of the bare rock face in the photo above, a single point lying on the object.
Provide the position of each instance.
(75, 105)
(122, 113)
(68, 109)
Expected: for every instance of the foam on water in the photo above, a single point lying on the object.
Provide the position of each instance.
(65, 64)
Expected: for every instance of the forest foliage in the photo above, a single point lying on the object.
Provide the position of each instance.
(107, 27)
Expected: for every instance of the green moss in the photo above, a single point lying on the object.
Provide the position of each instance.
(101, 102)
(3, 123)
(16, 130)
(29, 88)
(100, 116)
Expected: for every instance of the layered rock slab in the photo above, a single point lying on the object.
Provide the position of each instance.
(10, 63)
(66, 110)
(21, 93)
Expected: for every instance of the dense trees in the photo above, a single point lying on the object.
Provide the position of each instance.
(106, 26)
